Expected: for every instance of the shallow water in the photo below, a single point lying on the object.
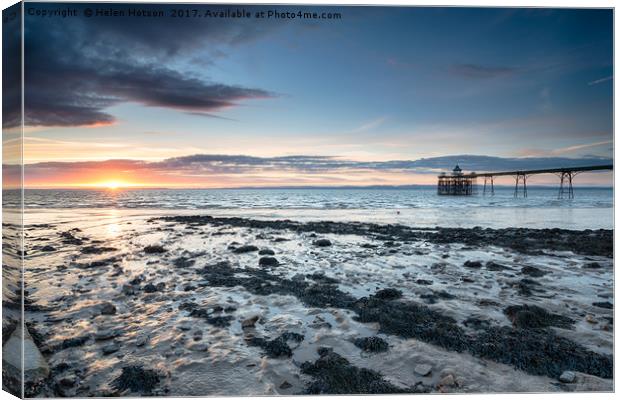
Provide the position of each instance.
(592, 208)
(194, 357)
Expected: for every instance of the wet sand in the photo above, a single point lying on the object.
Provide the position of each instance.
(128, 304)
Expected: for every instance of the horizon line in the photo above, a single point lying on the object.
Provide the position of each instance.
(290, 187)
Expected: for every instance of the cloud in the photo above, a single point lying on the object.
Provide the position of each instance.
(574, 150)
(11, 70)
(597, 81)
(75, 71)
(205, 165)
(368, 126)
(477, 71)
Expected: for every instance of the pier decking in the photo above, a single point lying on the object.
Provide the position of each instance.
(461, 184)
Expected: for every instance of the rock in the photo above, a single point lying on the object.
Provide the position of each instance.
(108, 309)
(249, 323)
(245, 249)
(110, 348)
(154, 249)
(277, 347)
(476, 323)
(533, 317)
(473, 264)
(372, 344)
(128, 290)
(184, 327)
(136, 379)
(198, 347)
(493, 266)
(431, 298)
(604, 304)
(285, 385)
(424, 282)
(322, 243)
(388, 294)
(106, 334)
(266, 252)
(141, 340)
(334, 374)
(533, 271)
(268, 262)
(150, 288)
(97, 249)
(423, 369)
(590, 319)
(183, 262)
(68, 380)
(447, 381)
(568, 377)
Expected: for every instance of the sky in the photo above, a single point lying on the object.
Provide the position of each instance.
(358, 100)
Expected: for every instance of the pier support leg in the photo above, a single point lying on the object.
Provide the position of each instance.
(566, 185)
(520, 177)
(491, 189)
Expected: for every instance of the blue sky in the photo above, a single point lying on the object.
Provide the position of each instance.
(379, 84)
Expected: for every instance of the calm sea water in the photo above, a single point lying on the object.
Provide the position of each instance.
(591, 208)
(424, 197)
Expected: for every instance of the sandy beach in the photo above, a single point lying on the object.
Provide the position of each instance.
(130, 304)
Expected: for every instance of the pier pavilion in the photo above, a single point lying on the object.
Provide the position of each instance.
(457, 183)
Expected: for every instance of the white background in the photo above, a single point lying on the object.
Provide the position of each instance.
(542, 3)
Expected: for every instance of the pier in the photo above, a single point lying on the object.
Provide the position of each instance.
(461, 184)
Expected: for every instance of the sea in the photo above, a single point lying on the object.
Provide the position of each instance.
(591, 208)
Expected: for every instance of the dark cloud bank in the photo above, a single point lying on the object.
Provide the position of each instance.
(205, 164)
(78, 67)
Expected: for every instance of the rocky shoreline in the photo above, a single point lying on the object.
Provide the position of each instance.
(587, 242)
(318, 308)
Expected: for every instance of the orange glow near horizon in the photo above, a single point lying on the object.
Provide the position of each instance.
(118, 179)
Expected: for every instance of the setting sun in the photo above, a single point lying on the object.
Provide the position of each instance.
(113, 185)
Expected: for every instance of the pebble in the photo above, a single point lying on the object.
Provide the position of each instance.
(106, 334)
(150, 288)
(68, 380)
(568, 377)
(245, 249)
(322, 243)
(108, 309)
(111, 348)
(268, 261)
(472, 264)
(198, 347)
(447, 380)
(141, 340)
(249, 323)
(423, 369)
